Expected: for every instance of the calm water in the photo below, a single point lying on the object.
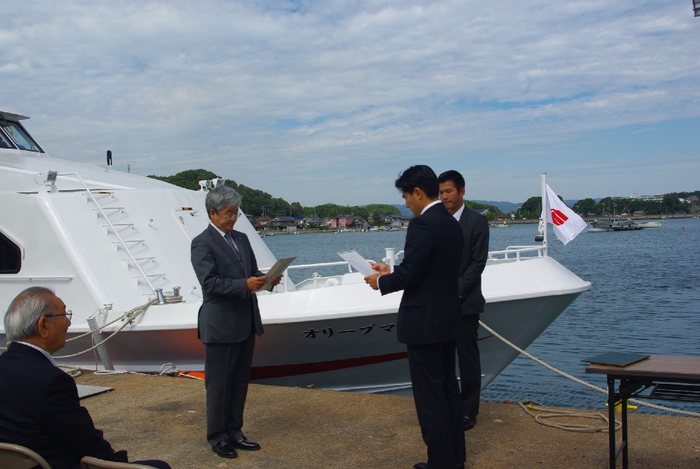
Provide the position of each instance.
(645, 299)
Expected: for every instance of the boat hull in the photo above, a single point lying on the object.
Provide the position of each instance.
(359, 353)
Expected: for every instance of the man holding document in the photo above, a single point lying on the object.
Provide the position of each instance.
(228, 320)
(429, 314)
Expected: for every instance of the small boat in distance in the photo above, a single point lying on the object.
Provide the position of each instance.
(649, 224)
(627, 225)
(597, 226)
(116, 248)
(500, 225)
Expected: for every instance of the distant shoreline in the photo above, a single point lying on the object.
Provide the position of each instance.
(528, 221)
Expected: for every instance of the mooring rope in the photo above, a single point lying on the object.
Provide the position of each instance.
(585, 383)
(530, 406)
(128, 317)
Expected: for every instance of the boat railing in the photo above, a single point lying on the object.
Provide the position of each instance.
(316, 278)
(518, 252)
(511, 253)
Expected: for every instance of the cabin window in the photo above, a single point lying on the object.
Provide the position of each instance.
(19, 136)
(10, 256)
(5, 142)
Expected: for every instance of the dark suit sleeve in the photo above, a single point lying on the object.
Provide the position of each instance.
(72, 425)
(204, 262)
(478, 256)
(415, 259)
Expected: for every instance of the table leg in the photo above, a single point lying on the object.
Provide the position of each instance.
(611, 424)
(623, 403)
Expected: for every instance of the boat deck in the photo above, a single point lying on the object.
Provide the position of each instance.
(164, 417)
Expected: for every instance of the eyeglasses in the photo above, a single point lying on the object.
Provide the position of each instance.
(232, 217)
(68, 314)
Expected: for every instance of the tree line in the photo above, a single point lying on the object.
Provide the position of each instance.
(260, 204)
(671, 203)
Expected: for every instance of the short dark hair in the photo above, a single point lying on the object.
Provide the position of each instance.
(454, 176)
(420, 176)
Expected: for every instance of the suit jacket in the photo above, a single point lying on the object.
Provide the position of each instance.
(228, 307)
(40, 409)
(429, 311)
(475, 229)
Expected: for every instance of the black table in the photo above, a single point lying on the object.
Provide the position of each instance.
(664, 377)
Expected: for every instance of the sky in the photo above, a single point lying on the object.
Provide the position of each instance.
(327, 102)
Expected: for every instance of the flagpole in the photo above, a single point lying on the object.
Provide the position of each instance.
(543, 180)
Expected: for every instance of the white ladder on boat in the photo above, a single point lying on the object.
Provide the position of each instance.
(116, 230)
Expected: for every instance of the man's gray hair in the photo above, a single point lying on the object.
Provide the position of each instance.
(24, 312)
(222, 197)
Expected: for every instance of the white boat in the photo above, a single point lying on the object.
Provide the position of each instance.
(599, 227)
(649, 224)
(111, 243)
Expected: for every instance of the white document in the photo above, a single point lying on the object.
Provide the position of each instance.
(279, 267)
(360, 264)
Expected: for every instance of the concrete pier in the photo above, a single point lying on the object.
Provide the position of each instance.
(164, 417)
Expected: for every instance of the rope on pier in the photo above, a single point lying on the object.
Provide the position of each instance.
(585, 383)
(530, 406)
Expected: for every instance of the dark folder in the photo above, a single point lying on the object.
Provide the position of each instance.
(616, 358)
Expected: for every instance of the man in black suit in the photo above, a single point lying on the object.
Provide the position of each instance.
(228, 320)
(475, 229)
(429, 315)
(39, 404)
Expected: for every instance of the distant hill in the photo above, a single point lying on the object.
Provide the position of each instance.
(510, 207)
(505, 207)
(403, 209)
(406, 212)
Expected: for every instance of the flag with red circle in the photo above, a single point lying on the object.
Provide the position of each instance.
(566, 223)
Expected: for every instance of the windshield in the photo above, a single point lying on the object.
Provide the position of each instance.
(19, 137)
(5, 142)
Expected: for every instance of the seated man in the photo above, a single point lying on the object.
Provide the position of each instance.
(40, 407)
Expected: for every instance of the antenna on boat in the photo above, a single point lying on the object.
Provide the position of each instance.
(109, 159)
(543, 216)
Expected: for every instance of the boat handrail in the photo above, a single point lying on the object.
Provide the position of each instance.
(114, 230)
(41, 278)
(508, 252)
(321, 264)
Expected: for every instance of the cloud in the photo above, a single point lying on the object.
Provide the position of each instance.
(293, 97)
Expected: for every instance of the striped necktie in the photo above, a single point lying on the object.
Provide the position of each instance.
(229, 239)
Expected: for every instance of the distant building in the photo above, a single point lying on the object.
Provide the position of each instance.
(262, 224)
(314, 221)
(399, 221)
(341, 221)
(284, 223)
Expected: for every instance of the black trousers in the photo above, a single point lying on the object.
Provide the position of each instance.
(226, 377)
(436, 395)
(469, 365)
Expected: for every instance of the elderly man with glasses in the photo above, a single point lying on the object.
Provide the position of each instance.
(229, 319)
(39, 404)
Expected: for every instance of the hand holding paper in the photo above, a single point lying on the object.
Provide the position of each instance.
(358, 262)
(274, 275)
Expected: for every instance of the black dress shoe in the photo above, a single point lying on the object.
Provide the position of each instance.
(225, 449)
(245, 444)
(469, 423)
